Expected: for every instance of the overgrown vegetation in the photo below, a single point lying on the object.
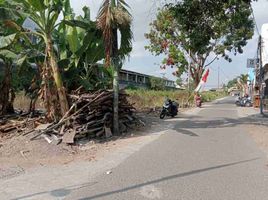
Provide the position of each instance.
(63, 51)
(157, 83)
(150, 98)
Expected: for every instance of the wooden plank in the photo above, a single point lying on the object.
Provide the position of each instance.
(68, 137)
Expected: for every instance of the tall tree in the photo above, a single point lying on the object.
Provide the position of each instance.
(200, 32)
(242, 81)
(114, 16)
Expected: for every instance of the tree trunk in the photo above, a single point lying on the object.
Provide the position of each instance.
(7, 95)
(196, 74)
(48, 93)
(64, 106)
(116, 100)
(115, 83)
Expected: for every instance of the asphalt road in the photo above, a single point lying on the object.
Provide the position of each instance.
(203, 156)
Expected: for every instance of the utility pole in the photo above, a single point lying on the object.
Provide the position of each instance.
(218, 77)
(261, 74)
(189, 65)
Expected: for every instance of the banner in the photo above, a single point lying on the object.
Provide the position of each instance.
(202, 82)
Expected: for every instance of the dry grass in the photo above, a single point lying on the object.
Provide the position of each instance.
(142, 98)
(22, 102)
(151, 99)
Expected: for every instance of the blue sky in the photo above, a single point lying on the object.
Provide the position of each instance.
(142, 61)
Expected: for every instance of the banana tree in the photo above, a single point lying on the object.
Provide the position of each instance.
(114, 17)
(7, 93)
(45, 15)
(85, 53)
(15, 53)
(9, 46)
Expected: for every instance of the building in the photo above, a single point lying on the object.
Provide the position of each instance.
(264, 56)
(129, 78)
(260, 83)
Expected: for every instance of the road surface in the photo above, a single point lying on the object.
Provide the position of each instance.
(204, 155)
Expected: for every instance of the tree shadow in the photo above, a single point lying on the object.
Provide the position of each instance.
(218, 123)
(167, 178)
(57, 193)
(186, 132)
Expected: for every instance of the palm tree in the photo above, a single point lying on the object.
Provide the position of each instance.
(242, 82)
(113, 16)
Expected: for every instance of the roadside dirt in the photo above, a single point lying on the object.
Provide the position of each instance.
(20, 151)
(257, 126)
(260, 134)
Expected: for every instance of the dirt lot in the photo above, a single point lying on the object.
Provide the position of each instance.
(20, 151)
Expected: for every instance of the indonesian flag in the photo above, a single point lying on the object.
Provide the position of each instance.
(202, 82)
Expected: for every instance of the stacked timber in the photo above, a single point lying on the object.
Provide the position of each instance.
(91, 116)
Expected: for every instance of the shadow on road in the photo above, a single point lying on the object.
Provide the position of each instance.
(57, 193)
(222, 114)
(167, 178)
(186, 124)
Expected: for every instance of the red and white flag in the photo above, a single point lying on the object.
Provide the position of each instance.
(202, 82)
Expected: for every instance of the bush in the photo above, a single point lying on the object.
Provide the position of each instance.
(131, 87)
(157, 83)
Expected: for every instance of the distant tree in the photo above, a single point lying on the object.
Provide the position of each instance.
(242, 81)
(157, 83)
(179, 81)
(199, 30)
(232, 83)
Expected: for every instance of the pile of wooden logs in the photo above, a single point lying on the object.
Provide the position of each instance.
(18, 122)
(90, 116)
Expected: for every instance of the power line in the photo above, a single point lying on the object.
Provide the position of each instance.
(226, 76)
(254, 20)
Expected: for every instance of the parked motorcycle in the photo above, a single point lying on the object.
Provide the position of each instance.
(170, 108)
(244, 101)
(237, 101)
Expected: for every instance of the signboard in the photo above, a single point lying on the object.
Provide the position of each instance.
(251, 63)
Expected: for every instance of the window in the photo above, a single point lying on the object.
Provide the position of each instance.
(140, 79)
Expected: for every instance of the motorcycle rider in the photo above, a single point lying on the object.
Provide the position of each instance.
(198, 99)
(170, 108)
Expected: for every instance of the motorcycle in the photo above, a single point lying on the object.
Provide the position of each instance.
(244, 102)
(170, 108)
(237, 101)
(198, 102)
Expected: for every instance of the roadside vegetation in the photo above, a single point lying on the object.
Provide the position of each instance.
(145, 99)
(62, 52)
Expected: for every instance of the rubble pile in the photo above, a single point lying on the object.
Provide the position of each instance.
(90, 116)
